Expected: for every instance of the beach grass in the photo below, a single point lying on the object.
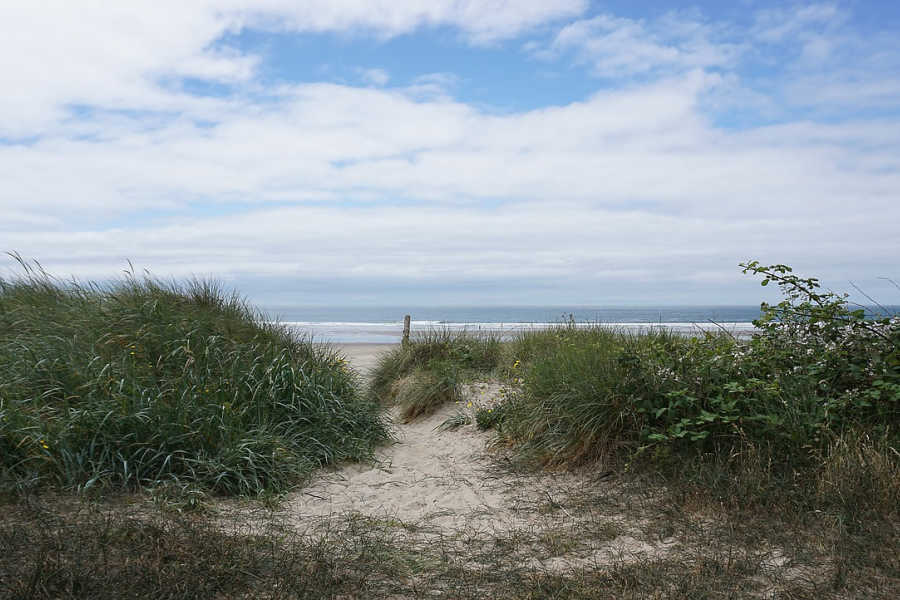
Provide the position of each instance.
(141, 383)
(425, 373)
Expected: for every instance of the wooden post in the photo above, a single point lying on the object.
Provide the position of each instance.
(406, 330)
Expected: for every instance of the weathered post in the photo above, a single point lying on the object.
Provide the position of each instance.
(406, 330)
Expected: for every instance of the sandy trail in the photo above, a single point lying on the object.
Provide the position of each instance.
(446, 486)
(439, 477)
(430, 475)
(449, 482)
(364, 357)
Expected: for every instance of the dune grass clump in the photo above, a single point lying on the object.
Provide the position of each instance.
(579, 393)
(142, 383)
(424, 391)
(425, 373)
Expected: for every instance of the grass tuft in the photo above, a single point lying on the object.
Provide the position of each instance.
(425, 373)
(422, 392)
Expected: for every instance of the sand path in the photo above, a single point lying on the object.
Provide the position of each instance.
(449, 499)
(447, 486)
(430, 475)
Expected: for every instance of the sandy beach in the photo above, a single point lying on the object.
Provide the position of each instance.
(364, 357)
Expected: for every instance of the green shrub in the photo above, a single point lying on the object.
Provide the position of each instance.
(814, 370)
(584, 390)
(814, 342)
(140, 382)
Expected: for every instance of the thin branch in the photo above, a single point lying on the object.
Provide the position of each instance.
(896, 285)
(870, 299)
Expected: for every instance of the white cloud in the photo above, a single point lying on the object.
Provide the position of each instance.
(333, 182)
(584, 255)
(377, 77)
(781, 24)
(620, 47)
(484, 21)
(632, 184)
(806, 56)
(114, 55)
(433, 86)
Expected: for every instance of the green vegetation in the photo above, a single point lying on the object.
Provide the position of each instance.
(816, 371)
(488, 417)
(803, 414)
(142, 384)
(426, 373)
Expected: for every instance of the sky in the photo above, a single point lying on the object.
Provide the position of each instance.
(458, 152)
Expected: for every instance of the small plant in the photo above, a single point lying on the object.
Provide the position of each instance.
(426, 373)
(436, 350)
(489, 417)
(458, 420)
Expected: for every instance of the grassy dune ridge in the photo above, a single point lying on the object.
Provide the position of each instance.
(142, 383)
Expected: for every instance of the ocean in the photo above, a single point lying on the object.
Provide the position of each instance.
(384, 325)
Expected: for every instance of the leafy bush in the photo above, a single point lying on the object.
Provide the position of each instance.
(814, 369)
(812, 341)
(139, 383)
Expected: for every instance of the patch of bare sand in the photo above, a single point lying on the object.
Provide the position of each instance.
(364, 357)
(428, 475)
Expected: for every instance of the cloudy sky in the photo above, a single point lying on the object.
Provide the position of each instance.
(454, 151)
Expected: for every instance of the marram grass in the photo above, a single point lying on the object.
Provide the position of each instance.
(141, 383)
(424, 374)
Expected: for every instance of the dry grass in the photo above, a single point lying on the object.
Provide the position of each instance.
(609, 536)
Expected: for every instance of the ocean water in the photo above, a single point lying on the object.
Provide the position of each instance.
(385, 324)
